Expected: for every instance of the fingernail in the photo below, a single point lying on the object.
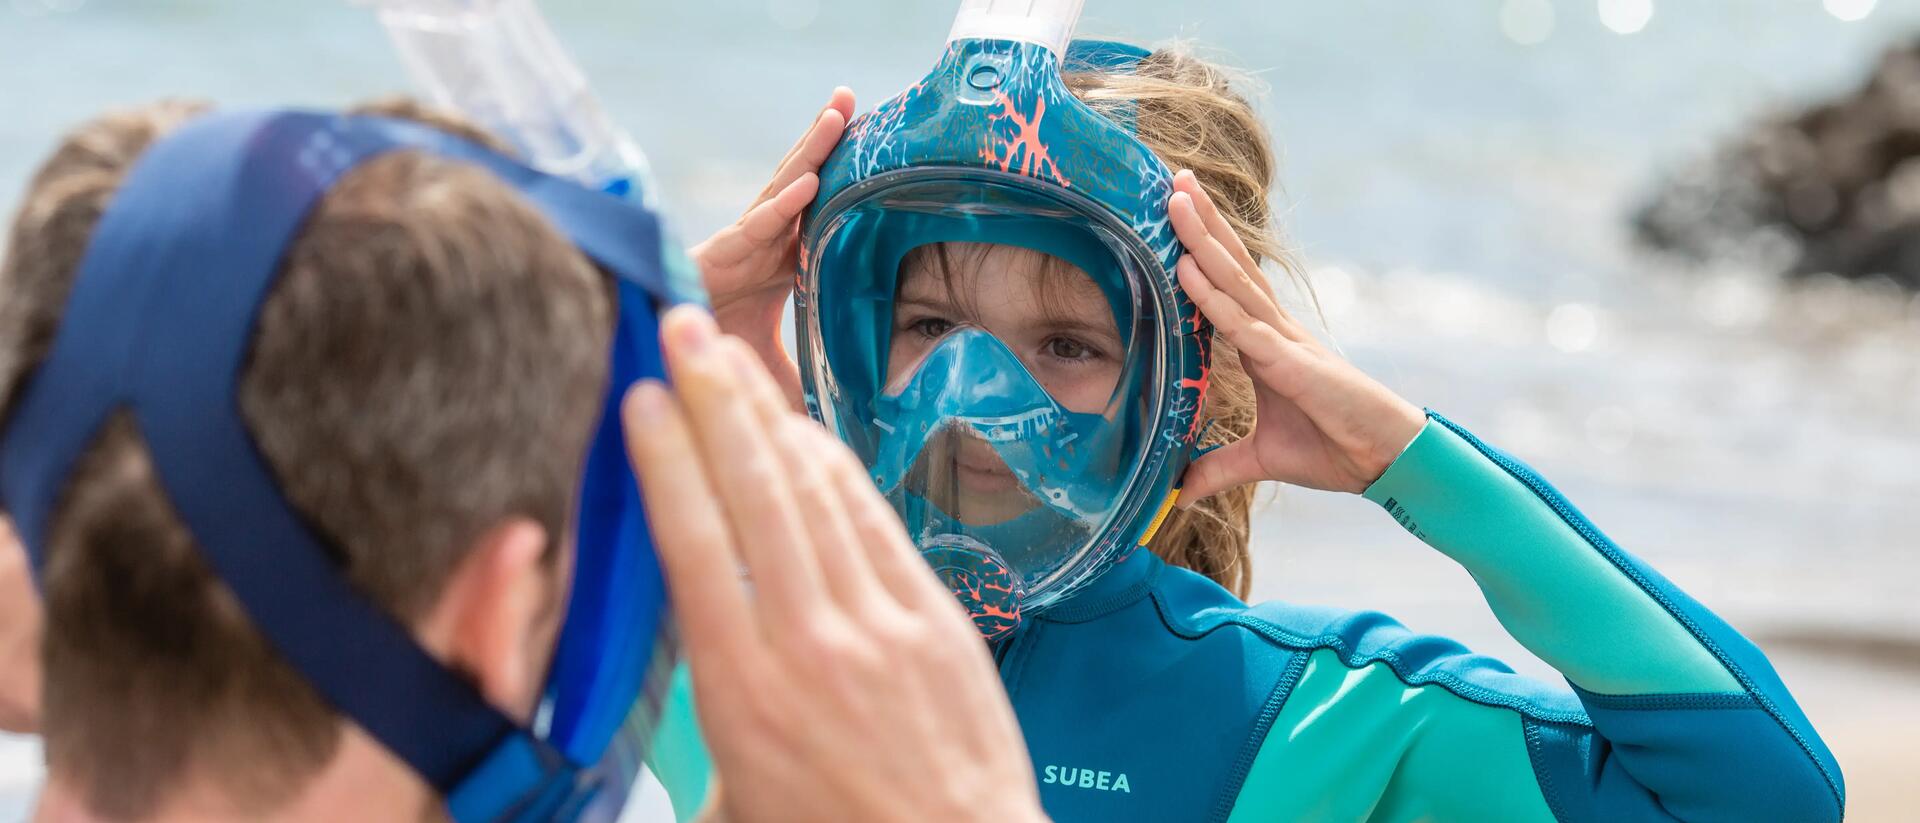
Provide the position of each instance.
(691, 328)
(647, 401)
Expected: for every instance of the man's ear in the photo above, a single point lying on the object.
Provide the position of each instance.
(20, 618)
(499, 614)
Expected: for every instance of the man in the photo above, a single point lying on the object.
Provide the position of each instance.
(422, 381)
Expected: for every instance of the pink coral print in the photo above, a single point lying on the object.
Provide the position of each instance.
(1024, 145)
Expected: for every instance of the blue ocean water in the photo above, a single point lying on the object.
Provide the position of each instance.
(1457, 189)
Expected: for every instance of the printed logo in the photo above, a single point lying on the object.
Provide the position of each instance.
(1404, 518)
(1086, 779)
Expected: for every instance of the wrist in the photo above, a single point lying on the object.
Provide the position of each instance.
(1397, 430)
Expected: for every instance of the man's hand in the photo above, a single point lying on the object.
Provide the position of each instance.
(836, 678)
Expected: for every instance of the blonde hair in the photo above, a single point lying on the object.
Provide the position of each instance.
(1190, 112)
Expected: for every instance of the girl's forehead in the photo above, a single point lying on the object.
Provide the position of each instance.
(984, 279)
(936, 265)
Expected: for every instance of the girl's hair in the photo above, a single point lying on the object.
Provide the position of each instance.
(1190, 113)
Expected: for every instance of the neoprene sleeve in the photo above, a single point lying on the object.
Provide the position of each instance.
(1673, 715)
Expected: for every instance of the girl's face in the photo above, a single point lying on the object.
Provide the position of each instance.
(1048, 313)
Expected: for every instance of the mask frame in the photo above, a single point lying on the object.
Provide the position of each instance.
(998, 111)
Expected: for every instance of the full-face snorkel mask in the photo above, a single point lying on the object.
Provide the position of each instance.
(1027, 413)
(158, 325)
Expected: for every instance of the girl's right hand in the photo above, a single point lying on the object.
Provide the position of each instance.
(750, 266)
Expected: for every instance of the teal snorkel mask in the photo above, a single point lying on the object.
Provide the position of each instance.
(989, 315)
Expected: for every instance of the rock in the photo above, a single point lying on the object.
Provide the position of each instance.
(1833, 188)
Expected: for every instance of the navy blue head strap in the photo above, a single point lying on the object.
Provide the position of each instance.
(159, 323)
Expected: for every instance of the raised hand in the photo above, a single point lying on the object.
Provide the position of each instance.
(835, 677)
(749, 267)
(1322, 423)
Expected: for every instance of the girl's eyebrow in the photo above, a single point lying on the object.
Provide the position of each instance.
(927, 302)
(1065, 324)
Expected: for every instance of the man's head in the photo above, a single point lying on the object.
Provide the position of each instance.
(422, 381)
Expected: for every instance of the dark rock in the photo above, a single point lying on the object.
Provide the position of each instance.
(1832, 188)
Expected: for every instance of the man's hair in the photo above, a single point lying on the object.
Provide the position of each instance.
(430, 362)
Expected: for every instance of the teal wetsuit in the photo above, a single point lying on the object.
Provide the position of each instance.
(1155, 695)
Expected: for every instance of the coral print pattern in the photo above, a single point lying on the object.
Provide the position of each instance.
(1002, 106)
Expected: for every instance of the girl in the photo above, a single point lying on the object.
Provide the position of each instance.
(1155, 693)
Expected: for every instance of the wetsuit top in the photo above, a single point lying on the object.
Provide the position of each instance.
(1155, 695)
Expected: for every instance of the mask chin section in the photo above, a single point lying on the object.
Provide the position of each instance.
(980, 579)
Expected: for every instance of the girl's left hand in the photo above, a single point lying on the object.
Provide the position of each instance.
(1322, 423)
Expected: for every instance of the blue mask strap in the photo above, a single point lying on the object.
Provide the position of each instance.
(1107, 57)
(159, 323)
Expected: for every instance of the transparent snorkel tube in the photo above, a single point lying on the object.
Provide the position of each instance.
(1046, 22)
(498, 63)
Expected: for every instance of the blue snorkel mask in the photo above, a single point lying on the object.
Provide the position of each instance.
(989, 315)
(158, 326)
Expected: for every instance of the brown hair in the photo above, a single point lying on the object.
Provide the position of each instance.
(428, 364)
(1190, 113)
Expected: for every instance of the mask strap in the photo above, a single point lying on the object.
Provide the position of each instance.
(159, 323)
(1108, 57)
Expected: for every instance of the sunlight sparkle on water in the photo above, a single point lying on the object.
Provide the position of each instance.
(1850, 10)
(1625, 16)
(1572, 327)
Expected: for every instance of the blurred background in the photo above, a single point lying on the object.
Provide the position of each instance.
(1663, 251)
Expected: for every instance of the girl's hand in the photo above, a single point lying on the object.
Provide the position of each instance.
(836, 677)
(1321, 422)
(749, 267)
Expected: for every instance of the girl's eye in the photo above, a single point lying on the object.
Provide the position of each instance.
(930, 327)
(1067, 348)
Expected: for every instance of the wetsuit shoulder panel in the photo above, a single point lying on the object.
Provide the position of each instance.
(678, 756)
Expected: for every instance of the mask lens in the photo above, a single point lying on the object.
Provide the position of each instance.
(989, 348)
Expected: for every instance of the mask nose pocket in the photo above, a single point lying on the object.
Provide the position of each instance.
(970, 381)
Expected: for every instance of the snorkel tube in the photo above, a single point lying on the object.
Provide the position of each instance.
(991, 147)
(498, 64)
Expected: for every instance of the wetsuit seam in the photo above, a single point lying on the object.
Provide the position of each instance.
(1542, 774)
(1351, 658)
(1262, 726)
(1605, 546)
(1668, 702)
(1453, 684)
